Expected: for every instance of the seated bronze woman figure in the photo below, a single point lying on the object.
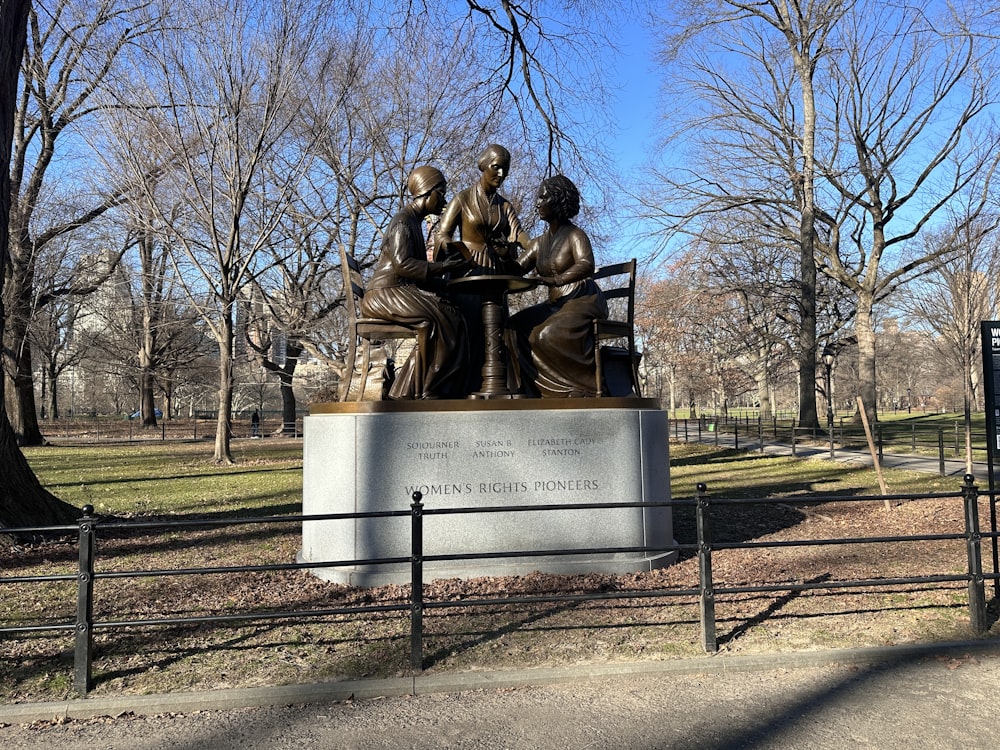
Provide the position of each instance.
(551, 345)
(403, 289)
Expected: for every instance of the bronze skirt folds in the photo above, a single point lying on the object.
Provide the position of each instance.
(551, 345)
(444, 362)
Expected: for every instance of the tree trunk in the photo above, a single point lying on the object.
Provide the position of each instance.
(147, 404)
(807, 248)
(23, 500)
(167, 383)
(19, 391)
(968, 399)
(673, 391)
(288, 405)
(224, 423)
(807, 329)
(285, 374)
(53, 393)
(764, 385)
(865, 332)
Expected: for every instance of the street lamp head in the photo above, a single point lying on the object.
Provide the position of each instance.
(828, 357)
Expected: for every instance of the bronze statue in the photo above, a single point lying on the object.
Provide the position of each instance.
(486, 221)
(551, 345)
(489, 232)
(405, 289)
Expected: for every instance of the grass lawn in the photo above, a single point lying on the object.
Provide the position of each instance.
(174, 477)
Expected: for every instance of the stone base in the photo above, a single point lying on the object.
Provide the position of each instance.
(371, 457)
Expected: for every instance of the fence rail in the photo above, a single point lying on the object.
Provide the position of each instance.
(706, 589)
(888, 437)
(122, 429)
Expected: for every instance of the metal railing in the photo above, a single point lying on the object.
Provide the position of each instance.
(888, 438)
(120, 429)
(707, 590)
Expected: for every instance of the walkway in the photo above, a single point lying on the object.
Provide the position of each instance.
(901, 698)
(905, 461)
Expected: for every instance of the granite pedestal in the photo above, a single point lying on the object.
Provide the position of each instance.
(371, 456)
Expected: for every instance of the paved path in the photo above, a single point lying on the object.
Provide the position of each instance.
(906, 699)
(907, 461)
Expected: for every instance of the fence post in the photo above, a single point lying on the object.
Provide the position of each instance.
(793, 439)
(736, 435)
(686, 431)
(417, 583)
(84, 631)
(913, 438)
(878, 434)
(707, 591)
(977, 593)
(760, 433)
(941, 451)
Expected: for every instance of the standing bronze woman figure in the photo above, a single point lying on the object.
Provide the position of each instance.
(486, 221)
(489, 233)
(551, 345)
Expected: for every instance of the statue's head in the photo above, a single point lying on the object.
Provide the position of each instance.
(563, 195)
(493, 153)
(424, 179)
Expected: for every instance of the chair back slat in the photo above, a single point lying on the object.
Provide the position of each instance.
(620, 323)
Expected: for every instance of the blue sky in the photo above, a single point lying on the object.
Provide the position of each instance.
(636, 95)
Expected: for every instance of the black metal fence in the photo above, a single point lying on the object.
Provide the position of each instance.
(888, 437)
(116, 429)
(705, 590)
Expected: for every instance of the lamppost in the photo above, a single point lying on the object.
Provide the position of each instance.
(828, 357)
(909, 403)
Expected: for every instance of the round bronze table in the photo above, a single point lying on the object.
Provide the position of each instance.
(492, 291)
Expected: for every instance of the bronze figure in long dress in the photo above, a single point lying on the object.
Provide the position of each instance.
(490, 234)
(485, 221)
(551, 345)
(406, 287)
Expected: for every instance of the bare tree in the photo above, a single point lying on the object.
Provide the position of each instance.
(757, 133)
(218, 98)
(145, 329)
(51, 335)
(875, 120)
(679, 324)
(542, 69)
(73, 47)
(911, 95)
(23, 501)
(951, 302)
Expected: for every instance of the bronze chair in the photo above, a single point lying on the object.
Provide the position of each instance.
(616, 328)
(364, 331)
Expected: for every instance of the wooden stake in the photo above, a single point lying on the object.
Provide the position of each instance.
(871, 449)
